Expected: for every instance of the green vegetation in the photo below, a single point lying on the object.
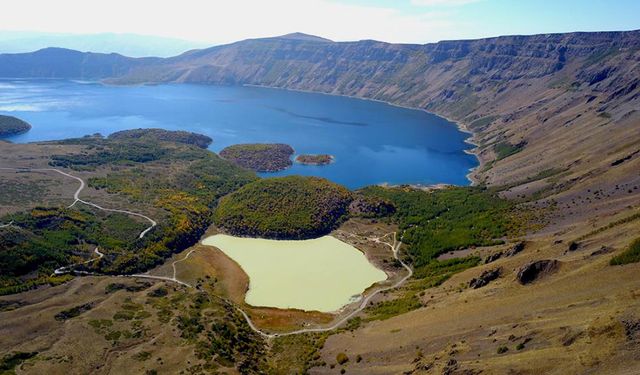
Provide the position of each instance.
(220, 334)
(388, 309)
(429, 276)
(179, 185)
(370, 206)
(321, 159)
(73, 312)
(445, 220)
(10, 125)
(177, 136)
(260, 157)
(296, 354)
(292, 207)
(506, 149)
(9, 362)
(502, 349)
(483, 122)
(44, 239)
(437, 272)
(187, 194)
(631, 255)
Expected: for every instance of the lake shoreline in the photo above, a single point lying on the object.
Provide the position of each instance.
(244, 252)
(475, 151)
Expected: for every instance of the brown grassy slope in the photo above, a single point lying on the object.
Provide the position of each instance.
(571, 322)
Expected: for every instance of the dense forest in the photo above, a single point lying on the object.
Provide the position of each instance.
(292, 207)
(435, 222)
(260, 157)
(177, 136)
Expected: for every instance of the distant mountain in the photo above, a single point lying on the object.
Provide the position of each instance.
(305, 37)
(556, 95)
(69, 64)
(126, 44)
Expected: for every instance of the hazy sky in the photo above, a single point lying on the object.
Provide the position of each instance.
(410, 21)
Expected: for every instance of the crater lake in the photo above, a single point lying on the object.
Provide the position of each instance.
(372, 142)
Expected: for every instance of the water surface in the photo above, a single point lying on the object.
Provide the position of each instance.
(372, 142)
(322, 274)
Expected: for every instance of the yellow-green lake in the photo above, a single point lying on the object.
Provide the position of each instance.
(322, 274)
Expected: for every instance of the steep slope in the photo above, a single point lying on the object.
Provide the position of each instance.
(550, 112)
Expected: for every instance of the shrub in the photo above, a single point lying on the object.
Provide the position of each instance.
(342, 358)
(631, 255)
(506, 149)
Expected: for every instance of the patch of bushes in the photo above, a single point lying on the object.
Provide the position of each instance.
(506, 149)
(292, 207)
(177, 136)
(73, 312)
(9, 362)
(483, 122)
(631, 255)
(260, 157)
(446, 220)
(388, 309)
(158, 292)
(342, 358)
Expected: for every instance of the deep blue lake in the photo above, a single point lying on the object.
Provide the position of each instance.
(372, 142)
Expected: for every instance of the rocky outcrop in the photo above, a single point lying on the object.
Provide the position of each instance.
(493, 257)
(533, 271)
(485, 278)
(515, 249)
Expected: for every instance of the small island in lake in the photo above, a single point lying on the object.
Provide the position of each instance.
(319, 159)
(10, 125)
(260, 157)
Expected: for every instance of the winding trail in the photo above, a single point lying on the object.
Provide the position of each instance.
(67, 269)
(76, 196)
(7, 225)
(76, 199)
(394, 246)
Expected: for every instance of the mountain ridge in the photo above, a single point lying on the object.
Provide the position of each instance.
(507, 90)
